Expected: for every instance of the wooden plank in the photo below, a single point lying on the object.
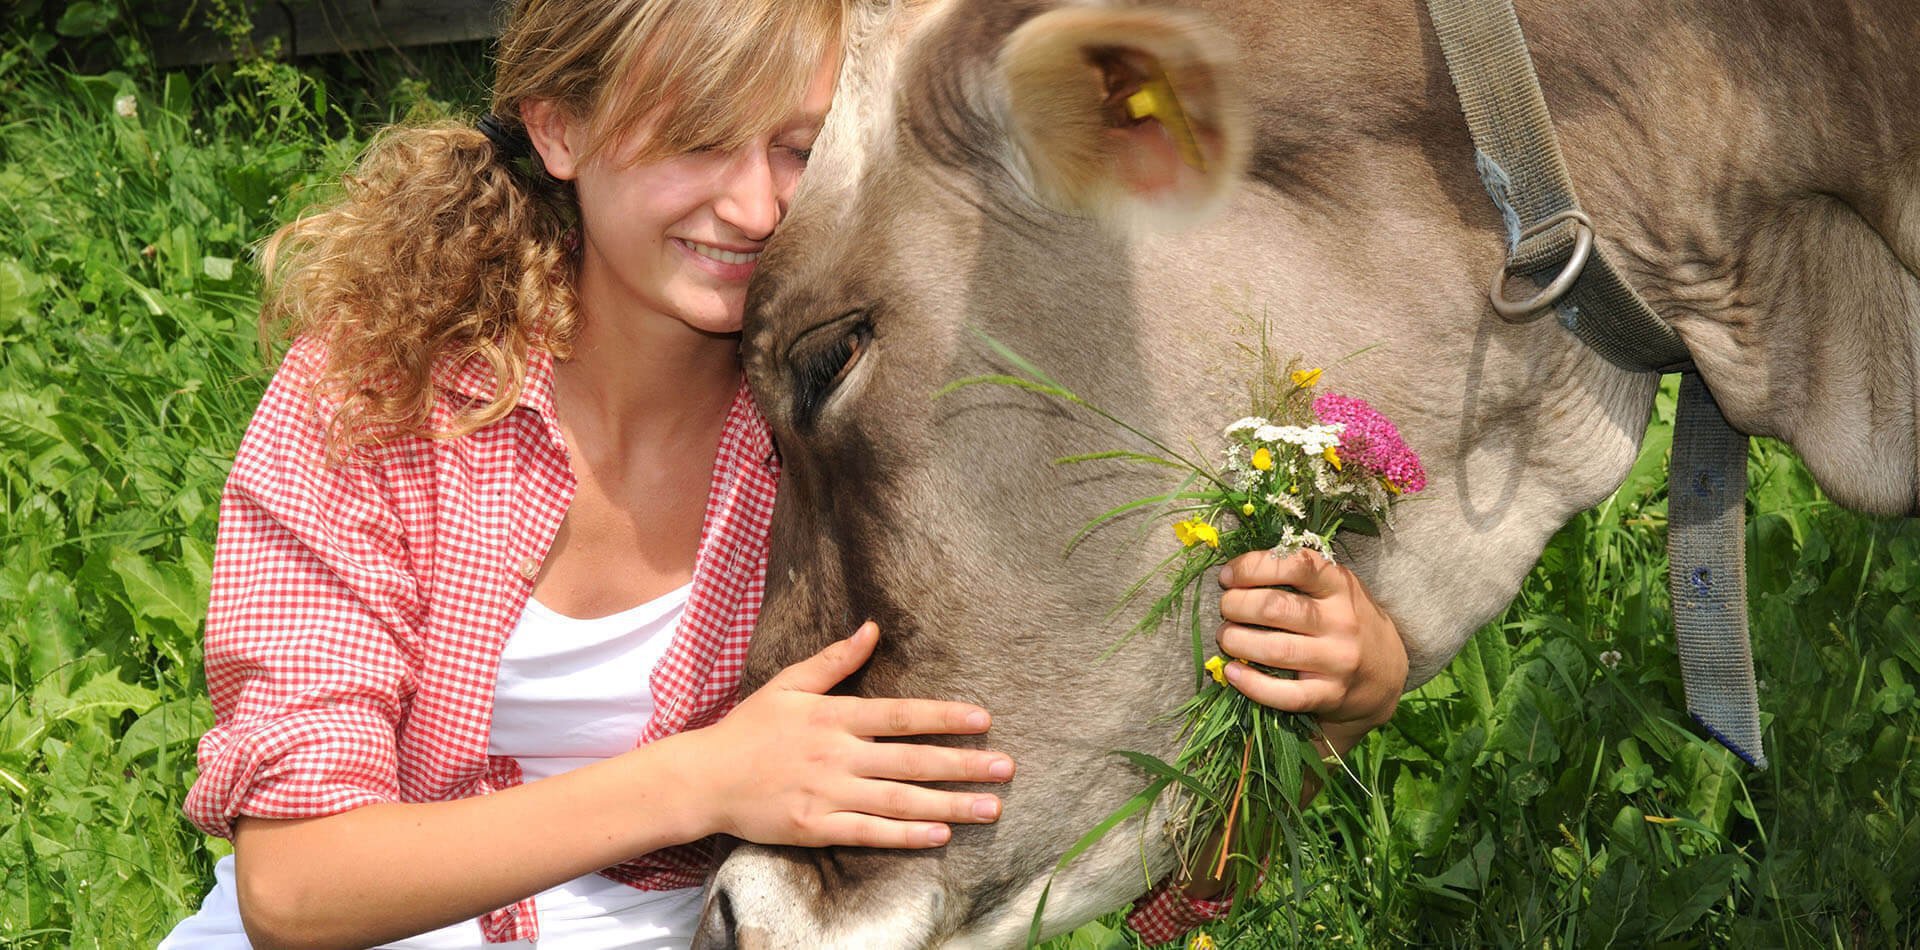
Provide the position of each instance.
(334, 26)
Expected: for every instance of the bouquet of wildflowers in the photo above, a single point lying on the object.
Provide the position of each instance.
(1305, 465)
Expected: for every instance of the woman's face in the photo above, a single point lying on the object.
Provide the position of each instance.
(680, 236)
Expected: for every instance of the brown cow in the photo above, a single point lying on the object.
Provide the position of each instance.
(1752, 165)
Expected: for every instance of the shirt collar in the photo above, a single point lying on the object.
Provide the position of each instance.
(473, 379)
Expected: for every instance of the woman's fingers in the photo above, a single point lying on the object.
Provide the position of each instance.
(1275, 608)
(905, 717)
(1322, 656)
(1305, 571)
(837, 661)
(1298, 696)
(929, 763)
(866, 831)
(903, 802)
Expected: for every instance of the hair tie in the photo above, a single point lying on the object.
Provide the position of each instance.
(510, 142)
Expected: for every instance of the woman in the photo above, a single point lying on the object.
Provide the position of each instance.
(470, 648)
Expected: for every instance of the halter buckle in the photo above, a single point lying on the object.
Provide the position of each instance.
(1536, 306)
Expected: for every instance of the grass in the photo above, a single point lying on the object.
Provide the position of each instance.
(1546, 790)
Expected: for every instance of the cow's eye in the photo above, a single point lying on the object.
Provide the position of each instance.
(821, 359)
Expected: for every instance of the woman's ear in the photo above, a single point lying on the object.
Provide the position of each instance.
(556, 137)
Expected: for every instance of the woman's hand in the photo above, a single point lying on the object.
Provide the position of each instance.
(790, 765)
(1351, 663)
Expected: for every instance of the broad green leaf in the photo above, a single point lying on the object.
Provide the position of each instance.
(1686, 894)
(160, 591)
(51, 623)
(86, 18)
(1470, 671)
(26, 427)
(1711, 783)
(174, 723)
(1427, 811)
(19, 291)
(1470, 874)
(1616, 907)
(101, 693)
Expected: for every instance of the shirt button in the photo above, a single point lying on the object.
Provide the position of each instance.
(529, 567)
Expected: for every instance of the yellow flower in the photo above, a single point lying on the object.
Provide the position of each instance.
(1201, 941)
(1247, 509)
(1263, 459)
(1217, 668)
(1332, 456)
(1391, 487)
(1306, 377)
(1195, 531)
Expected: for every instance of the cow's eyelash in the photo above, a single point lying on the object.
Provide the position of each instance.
(817, 373)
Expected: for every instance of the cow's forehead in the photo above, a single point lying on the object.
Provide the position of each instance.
(892, 47)
(863, 104)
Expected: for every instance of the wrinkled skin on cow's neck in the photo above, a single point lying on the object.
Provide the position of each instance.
(1752, 167)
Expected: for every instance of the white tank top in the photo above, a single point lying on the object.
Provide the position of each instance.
(569, 693)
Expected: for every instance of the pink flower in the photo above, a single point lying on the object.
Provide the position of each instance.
(1371, 441)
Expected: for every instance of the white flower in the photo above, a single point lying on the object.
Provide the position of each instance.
(1250, 422)
(1610, 659)
(126, 107)
(1292, 539)
(1287, 503)
(1324, 481)
(1312, 440)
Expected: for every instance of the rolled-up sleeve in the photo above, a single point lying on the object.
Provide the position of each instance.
(313, 603)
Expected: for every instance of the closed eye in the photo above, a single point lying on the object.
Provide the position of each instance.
(821, 359)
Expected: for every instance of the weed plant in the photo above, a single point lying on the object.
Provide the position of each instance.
(1545, 790)
(129, 204)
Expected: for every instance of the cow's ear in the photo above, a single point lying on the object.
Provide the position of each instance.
(1127, 114)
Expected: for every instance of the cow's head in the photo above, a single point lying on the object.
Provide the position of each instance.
(982, 168)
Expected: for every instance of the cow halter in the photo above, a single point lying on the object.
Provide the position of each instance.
(1551, 240)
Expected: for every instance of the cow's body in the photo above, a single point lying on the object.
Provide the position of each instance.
(1753, 167)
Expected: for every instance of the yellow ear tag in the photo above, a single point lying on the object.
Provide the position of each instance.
(1156, 100)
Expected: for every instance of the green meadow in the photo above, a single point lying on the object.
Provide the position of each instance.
(1547, 790)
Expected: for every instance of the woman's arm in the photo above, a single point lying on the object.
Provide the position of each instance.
(1346, 651)
(788, 766)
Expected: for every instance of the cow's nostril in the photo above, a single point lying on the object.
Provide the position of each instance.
(717, 924)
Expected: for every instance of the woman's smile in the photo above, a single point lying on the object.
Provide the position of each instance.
(727, 264)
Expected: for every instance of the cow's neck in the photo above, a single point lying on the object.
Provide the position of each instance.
(1751, 167)
(1756, 174)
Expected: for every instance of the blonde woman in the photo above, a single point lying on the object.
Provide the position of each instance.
(472, 645)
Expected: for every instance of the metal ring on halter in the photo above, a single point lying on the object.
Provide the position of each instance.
(1536, 306)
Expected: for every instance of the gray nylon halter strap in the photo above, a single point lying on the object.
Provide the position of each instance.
(1550, 240)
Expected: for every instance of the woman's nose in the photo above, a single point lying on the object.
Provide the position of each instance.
(751, 198)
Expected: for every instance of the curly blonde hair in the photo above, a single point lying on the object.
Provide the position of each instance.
(441, 249)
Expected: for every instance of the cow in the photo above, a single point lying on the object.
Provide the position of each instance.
(1752, 167)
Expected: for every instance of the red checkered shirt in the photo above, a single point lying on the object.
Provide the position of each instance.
(359, 611)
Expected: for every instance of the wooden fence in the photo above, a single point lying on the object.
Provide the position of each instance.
(310, 27)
